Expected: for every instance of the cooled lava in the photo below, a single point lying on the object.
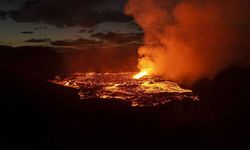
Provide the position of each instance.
(144, 91)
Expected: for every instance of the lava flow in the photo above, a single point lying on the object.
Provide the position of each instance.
(138, 90)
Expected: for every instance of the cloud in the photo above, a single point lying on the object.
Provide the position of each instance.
(41, 28)
(83, 31)
(3, 14)
(135, 25)
(38, 41)
(27, 32)
(89, 30)
(76, 43)
(67, 13)
(119, 38)
(100, 40)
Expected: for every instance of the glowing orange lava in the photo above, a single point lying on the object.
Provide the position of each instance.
(140, 74)
(147, 91)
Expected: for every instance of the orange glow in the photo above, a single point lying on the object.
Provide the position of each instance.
(149, 91)
(190, 40)
(146, 66)
(140, 74)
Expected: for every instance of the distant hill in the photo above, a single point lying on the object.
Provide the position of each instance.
(48, 61)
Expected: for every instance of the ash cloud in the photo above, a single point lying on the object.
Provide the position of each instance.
(188, 40)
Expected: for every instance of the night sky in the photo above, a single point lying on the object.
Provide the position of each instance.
(66, 23)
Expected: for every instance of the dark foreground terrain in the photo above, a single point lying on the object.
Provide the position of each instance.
(36, 114)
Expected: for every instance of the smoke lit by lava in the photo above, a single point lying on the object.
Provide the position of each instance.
(187, 40)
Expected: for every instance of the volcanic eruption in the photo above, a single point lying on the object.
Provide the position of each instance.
(188, 40)
(184, 41)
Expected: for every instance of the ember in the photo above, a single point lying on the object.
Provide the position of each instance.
(139, 90)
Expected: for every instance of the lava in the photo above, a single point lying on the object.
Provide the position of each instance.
(141, 89)
(140, 74)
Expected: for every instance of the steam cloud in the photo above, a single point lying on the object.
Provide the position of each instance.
(187, 40)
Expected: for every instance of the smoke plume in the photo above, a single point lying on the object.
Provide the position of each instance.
(187, 40)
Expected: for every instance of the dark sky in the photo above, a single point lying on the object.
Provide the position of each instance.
(65, 23)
